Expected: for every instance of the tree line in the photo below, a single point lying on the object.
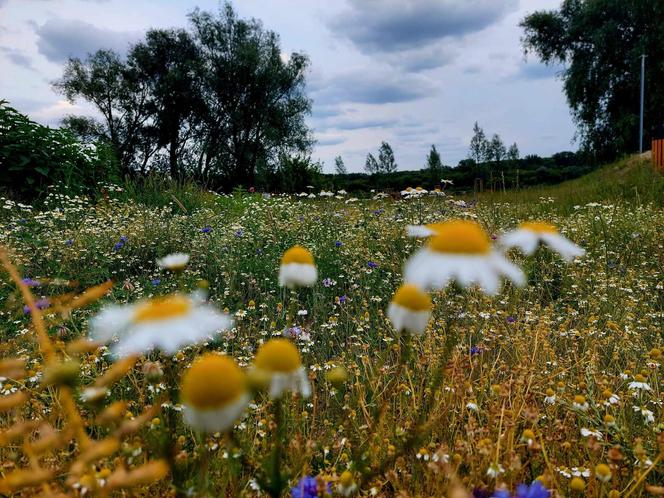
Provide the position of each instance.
(216, 102)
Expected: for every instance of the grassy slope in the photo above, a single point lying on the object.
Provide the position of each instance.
(631, 180)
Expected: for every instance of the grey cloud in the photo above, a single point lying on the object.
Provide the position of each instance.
(330, 141)
(373, 88)
(17, 56)
(395, 25)
(538, 71)
(59, 39)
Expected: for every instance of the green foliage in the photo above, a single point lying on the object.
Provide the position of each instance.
(339, 166)
(215, 103)
(33, 157)
(600, 43)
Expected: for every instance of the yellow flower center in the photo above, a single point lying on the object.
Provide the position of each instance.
(162, 308)
(297, 254)
(412, 297)
(460, 237)
(639, 378)
(538, 227)
(346, 479)
(603, 470)
(212, 382)
(579, 399)
(278, 355)
(419, 189)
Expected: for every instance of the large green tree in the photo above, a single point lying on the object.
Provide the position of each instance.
(599, 43)
(254, 99)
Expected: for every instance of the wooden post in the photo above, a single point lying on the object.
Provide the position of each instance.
(657, 150)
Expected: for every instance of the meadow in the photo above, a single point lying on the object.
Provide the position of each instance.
(557, 382)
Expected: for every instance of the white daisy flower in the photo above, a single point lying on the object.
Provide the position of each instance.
(639, 383)
(166, 323)
(174, 262)
(346, 485)
(531, 234)
(297, 268)
(423, 231)
(648, 415)
(588, 433)
(279, 360)
(214, 392)
(580, 404)
(460, 251)
(410, 309)
(550, 397)
(495, 469)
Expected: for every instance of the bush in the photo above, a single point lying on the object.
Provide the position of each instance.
(33, 156)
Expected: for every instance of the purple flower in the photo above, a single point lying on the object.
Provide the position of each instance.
(118, 246)
(476, 350)
(372, 265)
(239, 233)
(338, 243)
(123, 238)
(155, 281)
(31, 283)
(206, 229)
(511, 319)
(501, 493)
(378, 212)
(69, 242)
(535, 490)
(307, 487)
(327, 282)
(40, 304)
(343, 299)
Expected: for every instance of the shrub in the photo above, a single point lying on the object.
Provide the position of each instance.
(33, 156)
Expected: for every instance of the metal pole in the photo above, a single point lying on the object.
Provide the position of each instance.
(643, 77)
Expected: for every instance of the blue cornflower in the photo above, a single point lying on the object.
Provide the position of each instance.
(155, 281)
(535, 490)
(69, 242)
(206, 229)
(307, 487)
(378, 212)
(118, 246)
(501, 493)
(342, 299)
(511, 319)
(40, 304)
(338, 243)
(476, 350)
(123, 238)
(31, 283)
(239, 233)
(327, 282)
(372, 265)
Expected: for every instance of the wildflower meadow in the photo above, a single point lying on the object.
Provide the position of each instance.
(331, 345)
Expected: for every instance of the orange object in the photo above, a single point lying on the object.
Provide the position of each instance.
(658, 154)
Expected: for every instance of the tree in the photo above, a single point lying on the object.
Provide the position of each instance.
(496, 149)
(478, 145)
(254, 100)
(600, 42)
(166, 61)
(513, 153)
(118, 94)
(386, 161)
(371, 166)
(434, 165)
(339, 166)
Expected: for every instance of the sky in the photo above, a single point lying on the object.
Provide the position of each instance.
(414, 73)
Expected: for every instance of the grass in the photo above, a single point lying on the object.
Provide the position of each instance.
(484, 400)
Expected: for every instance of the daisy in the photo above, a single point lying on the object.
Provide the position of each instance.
(531, 234)
(346, 485)
(423, 231)
(639, 383)
(460, 251)
(297, 268)
(603, 472)
(280, 361)
(590, 433)
(410, 309)
(407, 192)
(214, 393)
(175, 262)
(579, 403)
(550, 398)
(166, 323)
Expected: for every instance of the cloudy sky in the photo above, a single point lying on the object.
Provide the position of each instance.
(412, 72)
